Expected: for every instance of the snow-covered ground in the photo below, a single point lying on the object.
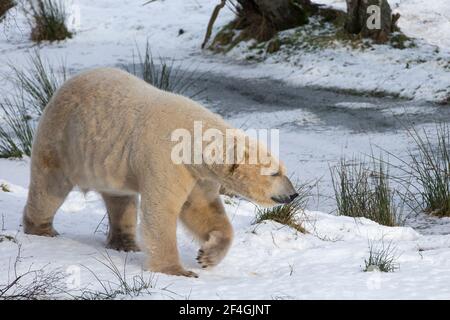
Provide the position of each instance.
(421, 72)
(268, 260)
(107, 33)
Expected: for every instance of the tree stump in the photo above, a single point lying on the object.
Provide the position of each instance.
(371, 19)
(262, 19)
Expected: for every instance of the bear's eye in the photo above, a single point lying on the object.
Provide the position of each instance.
(276, 174)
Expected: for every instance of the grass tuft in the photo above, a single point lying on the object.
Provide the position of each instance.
(164, 74)
(426, 174)
(287, 214)
(38, 80)
(5, 237)
(35, 85)
(48, 20)
(364, 191)
(4, 187)
(121, 287)
(16, 135)
(431, 169)
(381, 258)
(44, 284)
(33, 284)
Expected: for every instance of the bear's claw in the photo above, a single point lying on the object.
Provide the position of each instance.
(213, 250)
(189, 274)
(122, 243)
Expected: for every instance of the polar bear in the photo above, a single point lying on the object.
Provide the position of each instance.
(109, 131)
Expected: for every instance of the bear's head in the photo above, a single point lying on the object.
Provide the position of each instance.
(256, 175)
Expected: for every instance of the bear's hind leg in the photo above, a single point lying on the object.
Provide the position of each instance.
(122, 216)
(46, 194)
(209, 222)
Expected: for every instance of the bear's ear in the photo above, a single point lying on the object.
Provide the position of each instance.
(236, 149)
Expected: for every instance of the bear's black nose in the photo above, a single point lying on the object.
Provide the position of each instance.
(285, 199)
(293, 196)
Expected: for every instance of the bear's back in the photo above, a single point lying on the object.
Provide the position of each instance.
(116, 95)
(111, 105)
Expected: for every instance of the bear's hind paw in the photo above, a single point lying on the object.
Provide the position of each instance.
(44, 230)
(122, 244)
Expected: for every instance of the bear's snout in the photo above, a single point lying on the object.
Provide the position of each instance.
(286, 191)
(285, 199)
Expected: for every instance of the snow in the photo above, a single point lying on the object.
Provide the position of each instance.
(266, 261)
(428, 20)
(420, 73)
(106, 33)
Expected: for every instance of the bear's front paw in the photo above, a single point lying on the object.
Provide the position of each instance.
(213, 250)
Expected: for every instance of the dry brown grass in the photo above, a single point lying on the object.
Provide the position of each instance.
(48, 21)
(291, 214)
(5, 5)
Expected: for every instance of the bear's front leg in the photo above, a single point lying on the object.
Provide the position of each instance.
(209, 222)
(160, 211)
(204, 215)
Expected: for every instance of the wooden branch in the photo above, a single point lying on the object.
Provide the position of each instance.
(395, 18)
(213, 18)
(150, 1)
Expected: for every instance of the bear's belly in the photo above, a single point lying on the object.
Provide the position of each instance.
(106, 183)
(108, 189)
(116, 192)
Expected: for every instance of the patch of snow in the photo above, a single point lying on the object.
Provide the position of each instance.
(356, 105)
(266, 261)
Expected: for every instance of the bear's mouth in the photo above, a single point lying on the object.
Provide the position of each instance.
(284, 199)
